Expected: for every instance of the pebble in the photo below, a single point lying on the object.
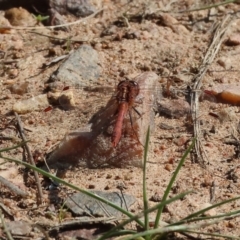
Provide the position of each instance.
(221, 9)
(13, 73)
(171, 22)
(180, 29)
(168, 167)
(173, 108)
(82, 204)
(233, 40)
(225, 62)
(80, 68)
(66, 100)
(127, 177)
(180, 141)
(19, 88)
(19, 17)
(80, 8)
(209, 213)
(146, 35)
(55, 51)
(107, 187)
(20, 228)
(230, 224)
(4, 22)
(168, 20)
(156, 197)
(36, 103)
(165, 126)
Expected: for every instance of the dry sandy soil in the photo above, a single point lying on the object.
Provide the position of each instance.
(130, 38)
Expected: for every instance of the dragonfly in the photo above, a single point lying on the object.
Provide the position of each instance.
(117, 132)
(126, 95)
(127, 92)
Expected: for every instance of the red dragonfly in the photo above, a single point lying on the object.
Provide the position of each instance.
(127, 93)
(123, 123)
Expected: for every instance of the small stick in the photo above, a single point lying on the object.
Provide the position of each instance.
(208, 6)
(9, 236)
(6, 210)
(212, 51)
(7, 138)
(13, 187)
(60, 39)
(21, 131)
(56, 26)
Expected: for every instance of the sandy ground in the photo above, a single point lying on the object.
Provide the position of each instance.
(170, 44)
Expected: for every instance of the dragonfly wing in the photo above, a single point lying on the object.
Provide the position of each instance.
(95, 149)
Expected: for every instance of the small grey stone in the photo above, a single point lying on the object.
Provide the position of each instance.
(173, 108)
(82, 204)
(32, 104)
(80, 67)
(233, 40)
(19, 228)
(225, 62)
(81, 8)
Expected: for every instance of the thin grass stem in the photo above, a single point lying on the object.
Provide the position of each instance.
(5, 229)
(145, 199)
(152, 209)
(59, 180)
(209, 6)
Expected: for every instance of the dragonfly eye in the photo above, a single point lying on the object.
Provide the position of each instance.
(126, 84)
(133, 83)
(122, 82)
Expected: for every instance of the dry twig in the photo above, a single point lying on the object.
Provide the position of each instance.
(13, 187)
(31, 160)
(209, 6)
(9, 236)
(208, 59)
(56, 26)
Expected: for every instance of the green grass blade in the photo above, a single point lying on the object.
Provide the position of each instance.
(145, 199)
(152, 209)
(217, 235)
(14, 147)
(223, 216)
(177, 228)
(195, 219)
(171, 183)
(59, 180)
(208, 208)
(4, 227)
